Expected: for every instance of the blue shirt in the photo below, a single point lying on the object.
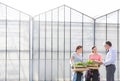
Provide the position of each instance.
(110, 57)
(76, 57)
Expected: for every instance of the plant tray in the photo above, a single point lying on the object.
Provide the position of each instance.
(79, 69)
(93, 67)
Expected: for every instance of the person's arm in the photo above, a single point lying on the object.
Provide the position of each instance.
(89, 57)
(100, 60)
(71, 60)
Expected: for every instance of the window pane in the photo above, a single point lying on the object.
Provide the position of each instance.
(24, 32)
(2, 27)
(12, 29)
(12, 70)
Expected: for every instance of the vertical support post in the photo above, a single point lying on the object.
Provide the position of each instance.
(58, 48)
(70, 41)
(94, 30)
(6, 48)
(82, 34)
(39, 50)
(52, 45)
(118, 42)
(64, 48)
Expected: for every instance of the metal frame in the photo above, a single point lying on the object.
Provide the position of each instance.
(19, 41)
(45, 46)
(118, 16)
(94, 30)
(51, 44)
(6, 49)
(30, 48)
(39, 50)
(82, 33)
(70, 40)
(32, 45)
(15, 9)
(58, 46)
(64, 47)
(106, 27)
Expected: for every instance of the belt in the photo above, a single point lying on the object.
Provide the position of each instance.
(110, 65)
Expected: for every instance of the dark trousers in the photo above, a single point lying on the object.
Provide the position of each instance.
(92, 75)
(79, 76)
(110, 70)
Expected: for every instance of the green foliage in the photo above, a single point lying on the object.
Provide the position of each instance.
(89, 62)
(79, 64)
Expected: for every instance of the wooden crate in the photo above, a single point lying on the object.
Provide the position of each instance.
(93, 66)
(79, 68)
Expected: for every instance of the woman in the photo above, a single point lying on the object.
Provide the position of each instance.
(77, 57)
(93, 74)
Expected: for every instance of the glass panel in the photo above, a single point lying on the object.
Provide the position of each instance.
(42, 70)
(48, 70)
(35, 70)
(88, 35)
(17, 66)
(24, 70)
(112, 34)
(36, 37)
(42, 36)
(24, 55)
(24, 32)
(55, 25)
(2, 55)
(76, 29)
(2, 27)
(61, 70)
(67, 70)
(100, 34)
(12, 70)
(112, 29)
(67, 33)
(67, 43)
(48, 35)
(61, 32)
(119, 47)
(100, 38)
(2, 70)
(36, 48)
(13, 55)
(12, 29)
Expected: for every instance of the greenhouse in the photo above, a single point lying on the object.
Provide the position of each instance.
(39, 48)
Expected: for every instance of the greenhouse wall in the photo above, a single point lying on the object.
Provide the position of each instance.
(60, 30)
(14, 44)
(56, 34)
(108, 28)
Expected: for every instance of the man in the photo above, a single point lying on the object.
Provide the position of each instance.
(110, 61)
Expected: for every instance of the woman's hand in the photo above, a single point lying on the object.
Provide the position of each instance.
(100, 62)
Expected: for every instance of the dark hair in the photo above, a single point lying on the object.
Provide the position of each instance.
(108, 43)
(78, 47)
(93, 48)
